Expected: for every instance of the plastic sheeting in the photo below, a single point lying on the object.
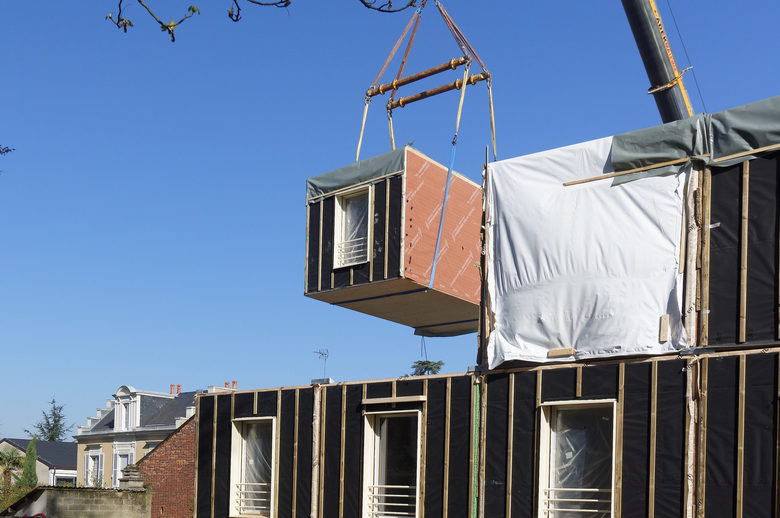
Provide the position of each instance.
(355, 173)
(711, 137)
(591, 267)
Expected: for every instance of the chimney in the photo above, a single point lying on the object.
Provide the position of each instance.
(178, 388)
(171, 388)
(235, 384)
(227, 384)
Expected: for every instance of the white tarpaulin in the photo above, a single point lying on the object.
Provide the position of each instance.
(591, 267)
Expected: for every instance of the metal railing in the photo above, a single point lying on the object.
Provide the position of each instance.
(391, 501)
(580, 500)
(254, 498)
(353, 251)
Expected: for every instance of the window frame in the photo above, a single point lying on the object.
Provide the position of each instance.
(93, 469)
(548, 411)
(370, 443)
(237, 451)
(338, 224)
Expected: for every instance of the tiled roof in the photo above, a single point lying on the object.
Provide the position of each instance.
(55, 454)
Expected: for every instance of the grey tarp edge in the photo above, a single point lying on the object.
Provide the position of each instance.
(355, 173)
(717, 135)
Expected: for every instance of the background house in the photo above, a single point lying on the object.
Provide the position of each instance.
(127, 428)
(56, 463)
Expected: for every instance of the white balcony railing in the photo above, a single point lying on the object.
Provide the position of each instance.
(559, 502)
(253, 498)
(391, 501)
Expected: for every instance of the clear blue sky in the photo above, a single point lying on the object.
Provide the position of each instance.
(152, 215)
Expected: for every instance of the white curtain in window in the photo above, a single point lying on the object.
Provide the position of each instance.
(356, 217)
(583, 457)
(257, 453)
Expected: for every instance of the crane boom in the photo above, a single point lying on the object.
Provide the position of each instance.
(665, 80)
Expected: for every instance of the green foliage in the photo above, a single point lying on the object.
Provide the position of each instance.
(29, 477)
(10, 495)
(52, 427)
(10, 462)
(422, 367)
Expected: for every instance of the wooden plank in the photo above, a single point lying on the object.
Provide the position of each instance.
(483, 437)
(319, 259)
(315, 452)
(343, 441)
(323, 430)
(393, 400)
(295, 455)
(254, 404)
(214, 454)
(701, 464)
(472, 439)
(197, 444)
(446, 477)
(693, 242)
(704, 321)
(653, 430)
(509, 442)
(560, 353)
(306, 264)
(619, 441)
(537, 425)
(776, 510)
(578, 390)
(275, 479)
(387, 221)
(743, 252)
(691, 396)
(741, 438)
(423, 448)
(663, 328)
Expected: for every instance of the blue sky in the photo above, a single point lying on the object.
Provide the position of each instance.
(152, 215)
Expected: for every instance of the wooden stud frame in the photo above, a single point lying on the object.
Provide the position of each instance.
(197, 443)
(537, 438)
(483, 387)
(446, 477)
(319, 258)
(315, 451)
(323, 430)
(653, 429)
(741, 437)
(510, 432)
(343, 441)
(618, 504)
(214, 454)
(776, 510)
(277, 440)
(704, 322)
(578, 390)
(423, 448)
(306, 264)
(295, 456)
(743, 252)
(701, 464)
(472, 438)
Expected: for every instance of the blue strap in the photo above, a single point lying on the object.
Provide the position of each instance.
(443, 209)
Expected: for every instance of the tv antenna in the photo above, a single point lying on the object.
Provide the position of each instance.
(323, 354)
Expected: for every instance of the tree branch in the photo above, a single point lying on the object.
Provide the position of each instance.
(386, 7)
(234, 13)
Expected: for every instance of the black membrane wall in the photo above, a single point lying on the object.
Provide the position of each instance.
(762, 252)
(448, 431)
(321, 275)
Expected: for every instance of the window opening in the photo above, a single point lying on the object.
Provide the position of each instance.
(352, 228)
(577, 467)
(93, 469)
(252, 470)
(392, 454)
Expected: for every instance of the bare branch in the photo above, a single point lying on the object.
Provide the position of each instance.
(5, 149)
(387, 6)
(234, 13)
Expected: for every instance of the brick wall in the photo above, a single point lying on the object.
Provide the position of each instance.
(168, 472)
